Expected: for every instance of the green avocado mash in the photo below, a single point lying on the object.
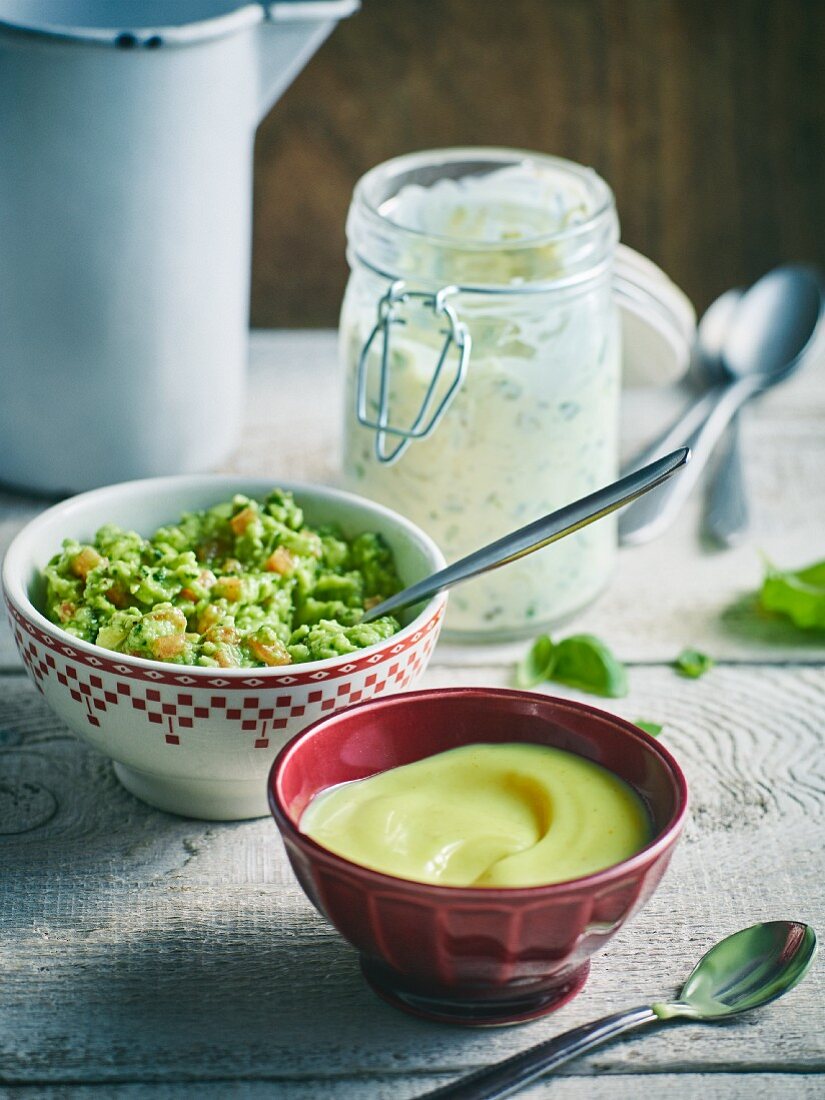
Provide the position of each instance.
(242, 585)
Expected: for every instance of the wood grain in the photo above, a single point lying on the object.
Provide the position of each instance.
(707, 118)
(141, 947)
(683, 1086)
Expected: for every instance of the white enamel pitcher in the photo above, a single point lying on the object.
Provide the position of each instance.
(126, 133)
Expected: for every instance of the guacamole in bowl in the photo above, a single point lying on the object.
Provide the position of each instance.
(246, 583)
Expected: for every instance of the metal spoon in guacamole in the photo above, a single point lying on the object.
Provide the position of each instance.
(743, 971)
(540, 533)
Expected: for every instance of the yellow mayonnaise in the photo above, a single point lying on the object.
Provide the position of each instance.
(503, 815)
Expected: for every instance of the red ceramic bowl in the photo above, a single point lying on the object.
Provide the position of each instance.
(473, 955)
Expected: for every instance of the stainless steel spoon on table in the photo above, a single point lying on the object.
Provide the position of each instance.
(744, 971)
(773, 328)
(727, 515)
(535, 535)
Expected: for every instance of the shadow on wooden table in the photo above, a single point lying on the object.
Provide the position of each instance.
(207, 989)
(746, 621)
(156, 947)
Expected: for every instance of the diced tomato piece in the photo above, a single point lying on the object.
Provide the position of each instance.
(274, 653)
(84, 562)
(242, 520)
(171, 645)
(280, 561)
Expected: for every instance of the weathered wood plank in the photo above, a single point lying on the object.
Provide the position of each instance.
(141, 947)
(670, 593)
(119, 920)
(629, 1086)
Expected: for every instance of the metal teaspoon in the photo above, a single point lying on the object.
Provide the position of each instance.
(744, 971)
(726, 515)
(535, 535)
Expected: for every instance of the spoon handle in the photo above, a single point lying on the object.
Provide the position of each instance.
(649, 518)
(726, 513)
(538, 534)
(507, 1076)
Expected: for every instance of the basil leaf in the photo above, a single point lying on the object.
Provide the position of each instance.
(583, 661)
(693, 664)
(653, 728)
(798, 594)
(537, 664)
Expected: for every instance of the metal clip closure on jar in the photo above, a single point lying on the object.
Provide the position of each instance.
(432, 409)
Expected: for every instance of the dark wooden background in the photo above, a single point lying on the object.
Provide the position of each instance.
(706, 116)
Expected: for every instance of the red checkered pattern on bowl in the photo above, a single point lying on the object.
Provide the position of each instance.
(98, 683)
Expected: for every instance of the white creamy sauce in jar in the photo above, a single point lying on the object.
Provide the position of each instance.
(534, 424)
(517, 203)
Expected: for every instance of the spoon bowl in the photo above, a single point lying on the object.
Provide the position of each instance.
(774, 325)
(744, 971)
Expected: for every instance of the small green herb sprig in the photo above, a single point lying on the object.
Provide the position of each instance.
(692, 663)
(581, 661)
(653, 728)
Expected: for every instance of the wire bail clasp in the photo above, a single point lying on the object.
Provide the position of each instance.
(426, 420)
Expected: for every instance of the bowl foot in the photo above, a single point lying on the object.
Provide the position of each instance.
(206, 799)
(510, 1008)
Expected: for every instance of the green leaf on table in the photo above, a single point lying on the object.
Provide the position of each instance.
(693, 663)
(537, 664)
(799, 594)
(583, 661)
(653, 728)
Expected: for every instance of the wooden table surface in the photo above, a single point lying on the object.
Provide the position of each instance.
(143, 954)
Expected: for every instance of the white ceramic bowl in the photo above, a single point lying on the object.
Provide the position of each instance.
(200, 741)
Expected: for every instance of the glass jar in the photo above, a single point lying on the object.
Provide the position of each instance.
(482, 351)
